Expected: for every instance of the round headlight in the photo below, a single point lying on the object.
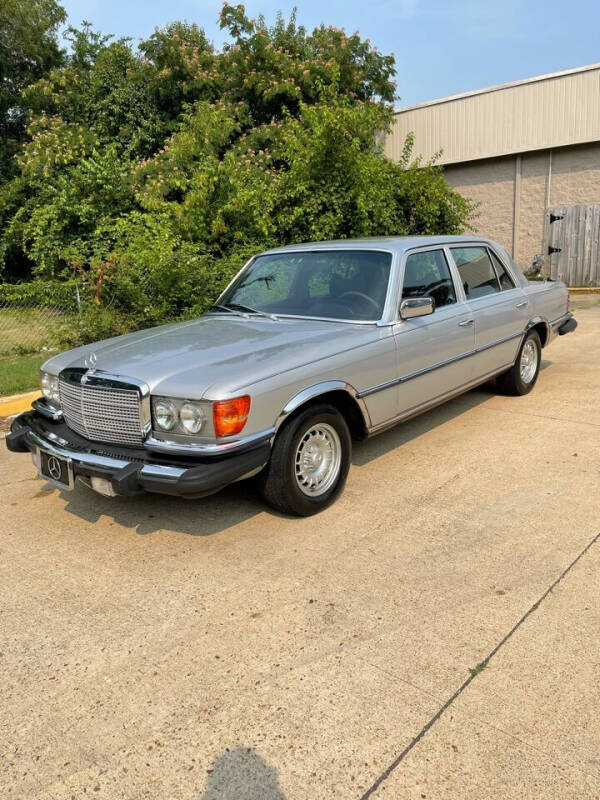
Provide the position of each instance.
(192, 417)
(165, 415)
(49, 385)
(46, 385)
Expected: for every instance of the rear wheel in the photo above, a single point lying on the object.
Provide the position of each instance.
(309, 463)
(521, 377)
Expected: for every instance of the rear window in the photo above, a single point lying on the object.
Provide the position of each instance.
(506, 282)
(476, 271)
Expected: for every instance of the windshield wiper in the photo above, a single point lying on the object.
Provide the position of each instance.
(249, 310)
(229, 310)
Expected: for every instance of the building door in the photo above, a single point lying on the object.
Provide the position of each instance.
(573, 244)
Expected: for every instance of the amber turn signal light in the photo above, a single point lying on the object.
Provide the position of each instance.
(229, 416)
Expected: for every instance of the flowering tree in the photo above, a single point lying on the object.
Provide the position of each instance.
(156, 172)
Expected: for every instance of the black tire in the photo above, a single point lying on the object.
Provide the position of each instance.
(278, 481)
(511, 382)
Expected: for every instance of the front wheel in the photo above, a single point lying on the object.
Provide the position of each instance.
(521, 377)
(309, 463)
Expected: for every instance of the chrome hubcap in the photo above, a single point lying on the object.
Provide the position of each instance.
(318, 459)
(529, 361)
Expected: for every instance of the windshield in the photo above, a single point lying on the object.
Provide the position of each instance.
(335, 284)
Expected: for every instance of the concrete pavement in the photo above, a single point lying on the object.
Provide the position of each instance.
(214, 650)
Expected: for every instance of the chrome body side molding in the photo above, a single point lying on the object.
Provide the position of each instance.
(418, 373)
(436, 401)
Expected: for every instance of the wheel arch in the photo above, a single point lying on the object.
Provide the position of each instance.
(341, 395)
(542, 327)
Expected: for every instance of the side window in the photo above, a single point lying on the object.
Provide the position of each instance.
(506, 282)
(476, 271)
(427, 274)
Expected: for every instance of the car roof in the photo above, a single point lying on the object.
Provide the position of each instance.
(394, 244)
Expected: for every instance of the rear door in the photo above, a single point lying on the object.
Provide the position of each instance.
(433, 351)
(499, 307)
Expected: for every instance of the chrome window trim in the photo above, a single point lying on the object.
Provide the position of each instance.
(485, 246)
(429, 249)
(401, 267)
(493, 253)
(393, 256)
(507, 266)
(327, 319)
(418, 373)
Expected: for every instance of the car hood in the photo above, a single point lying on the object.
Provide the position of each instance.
(215, 355)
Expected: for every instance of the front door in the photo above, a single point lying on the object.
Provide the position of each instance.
(433, 351)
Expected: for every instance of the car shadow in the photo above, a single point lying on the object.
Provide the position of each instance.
(150, 513)
(241, 774)
(370, 449)
(379, 445)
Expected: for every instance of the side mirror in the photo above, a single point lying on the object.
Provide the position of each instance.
(416, 307)
(536, 267)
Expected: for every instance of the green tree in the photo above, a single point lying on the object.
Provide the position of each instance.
(28, 50)
(156, 172)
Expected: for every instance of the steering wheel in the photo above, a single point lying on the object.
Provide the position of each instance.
(362, 296)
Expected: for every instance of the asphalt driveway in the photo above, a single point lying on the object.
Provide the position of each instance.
(152, 648)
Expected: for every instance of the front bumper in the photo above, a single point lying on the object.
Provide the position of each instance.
(134, 470)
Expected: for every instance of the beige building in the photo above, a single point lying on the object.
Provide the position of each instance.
(528, 153)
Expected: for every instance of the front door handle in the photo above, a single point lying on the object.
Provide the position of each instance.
(465, 322)
(522, 304)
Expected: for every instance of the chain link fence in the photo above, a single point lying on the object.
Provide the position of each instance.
(37, 324)
(26, 329)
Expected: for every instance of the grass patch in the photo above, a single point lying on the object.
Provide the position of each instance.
(19, 373)
(479, 668)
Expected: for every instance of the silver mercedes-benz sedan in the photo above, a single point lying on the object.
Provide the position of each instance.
(309, 347)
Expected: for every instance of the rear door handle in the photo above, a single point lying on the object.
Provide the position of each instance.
(465, 322)
(522, 304)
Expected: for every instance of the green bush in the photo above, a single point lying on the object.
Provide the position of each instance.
(56, 294)
(152, 175)
(95, 324)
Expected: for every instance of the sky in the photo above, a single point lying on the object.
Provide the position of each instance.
(441, 48)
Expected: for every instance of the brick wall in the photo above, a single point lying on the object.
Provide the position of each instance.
(491, 182)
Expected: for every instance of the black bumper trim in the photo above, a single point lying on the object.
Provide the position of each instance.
(129, 474)
(15, 440)
(206, 479)
(568, 326)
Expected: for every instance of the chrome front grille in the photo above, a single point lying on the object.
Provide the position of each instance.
(102, 413)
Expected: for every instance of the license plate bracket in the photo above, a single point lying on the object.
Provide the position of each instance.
(56, 469)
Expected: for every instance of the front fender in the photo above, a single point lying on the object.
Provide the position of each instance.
(318, 389)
